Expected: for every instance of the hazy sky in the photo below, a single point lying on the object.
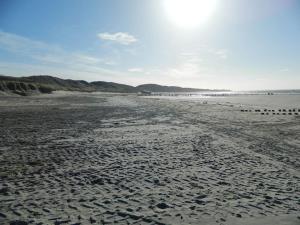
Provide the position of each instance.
(242, 45)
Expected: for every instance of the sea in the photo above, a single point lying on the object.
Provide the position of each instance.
(274, 99)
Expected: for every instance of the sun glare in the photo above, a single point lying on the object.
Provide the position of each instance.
(190, 13)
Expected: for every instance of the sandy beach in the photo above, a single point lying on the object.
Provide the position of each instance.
(95, 158)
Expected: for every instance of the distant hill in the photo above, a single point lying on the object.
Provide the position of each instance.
(21, 86)
(46, 84)
(159, 88)
(113, 87)
(60, 84)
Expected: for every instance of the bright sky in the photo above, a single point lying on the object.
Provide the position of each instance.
(232, 44)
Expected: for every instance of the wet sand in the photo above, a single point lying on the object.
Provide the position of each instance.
(73, 158)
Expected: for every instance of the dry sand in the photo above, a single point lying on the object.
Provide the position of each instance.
(72, 158)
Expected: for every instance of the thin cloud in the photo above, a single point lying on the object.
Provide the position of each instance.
(43, 55)
(43, 52)
(22, 45)
(284, 70)
(191, 57)
(136, 70)
(120, 38)
(221, 53)
(205, 53)
(77, 73)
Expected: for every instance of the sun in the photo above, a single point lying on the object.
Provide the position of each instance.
(189, 13)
